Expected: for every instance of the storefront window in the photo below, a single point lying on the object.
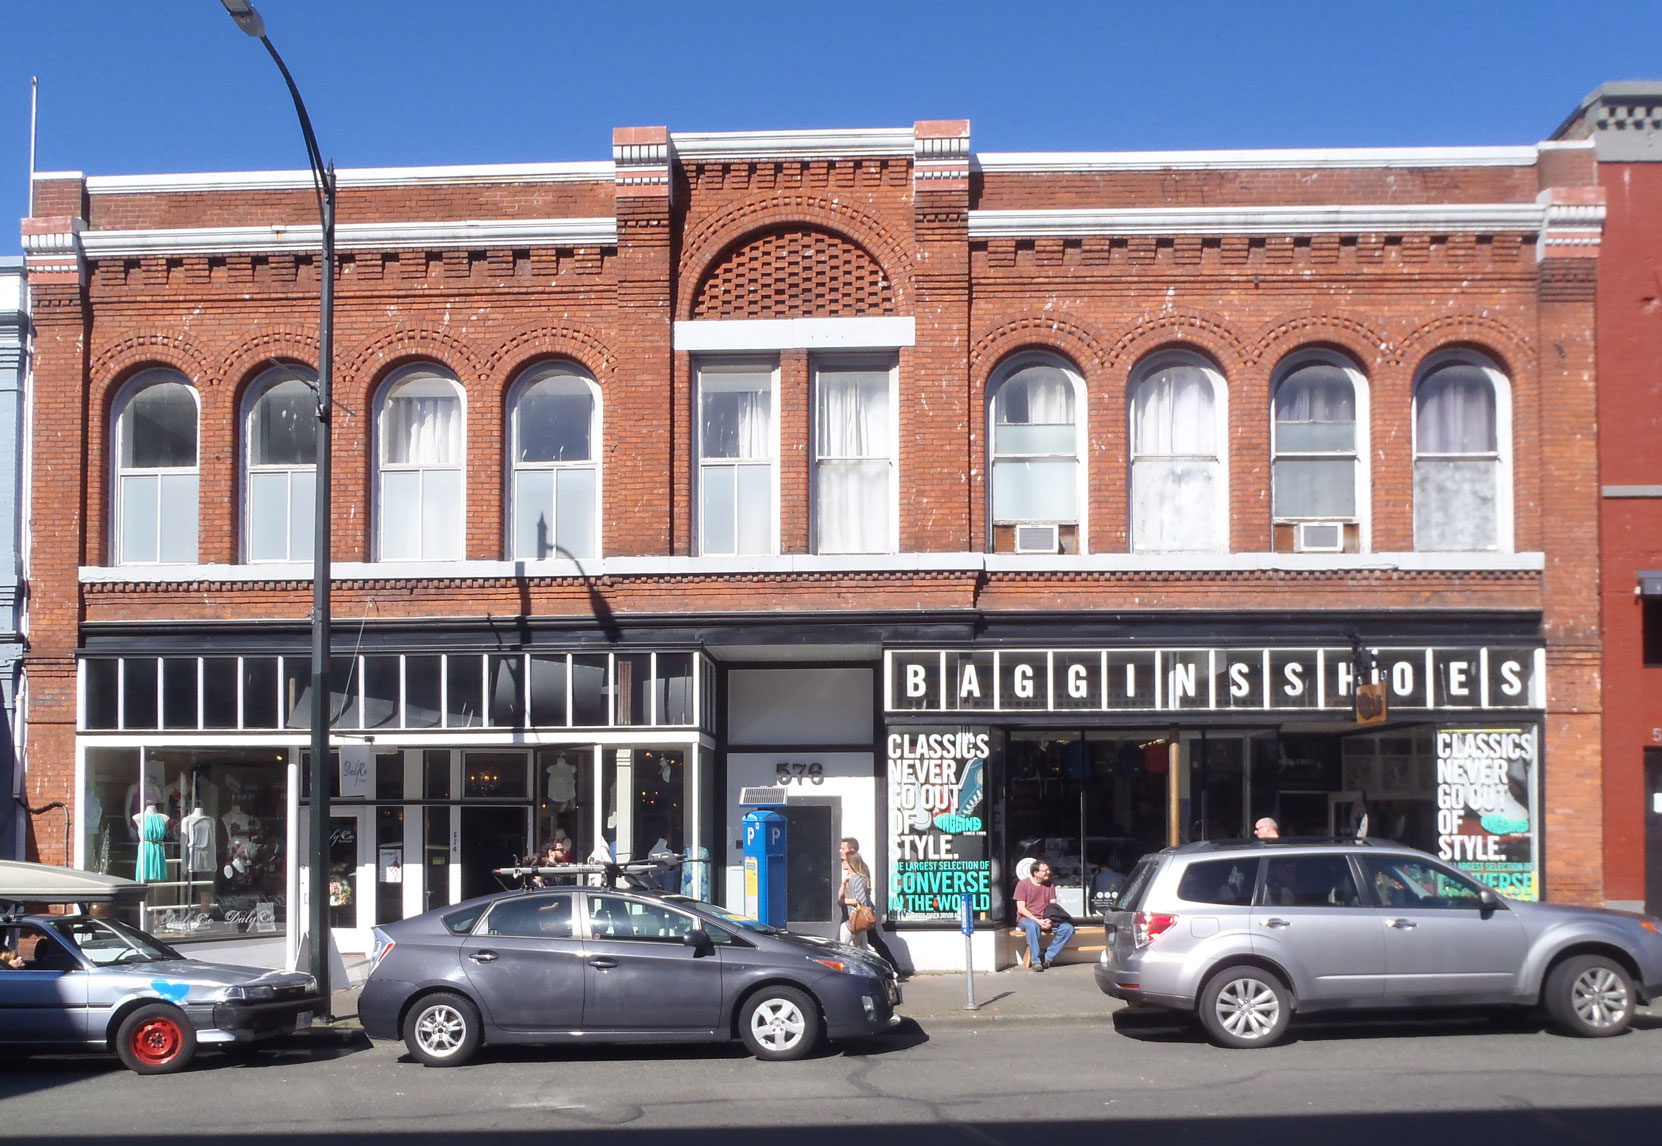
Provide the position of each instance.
(203, 829)
(565, 798)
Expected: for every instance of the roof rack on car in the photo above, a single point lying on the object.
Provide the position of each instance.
(609, 872)
(1297, 841)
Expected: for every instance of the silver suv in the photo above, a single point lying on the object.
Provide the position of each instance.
(1244, 933)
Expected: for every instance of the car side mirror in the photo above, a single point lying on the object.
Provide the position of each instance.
(699, 940)
(1488, 900)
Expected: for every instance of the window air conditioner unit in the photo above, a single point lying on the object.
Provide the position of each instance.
(1037, 538)
(1321, 537)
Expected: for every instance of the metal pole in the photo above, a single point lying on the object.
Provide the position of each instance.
(966, 923)
(1174, 786)
(323, 180)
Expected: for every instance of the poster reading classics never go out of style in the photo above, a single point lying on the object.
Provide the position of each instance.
(938, 822)
(1486, 800)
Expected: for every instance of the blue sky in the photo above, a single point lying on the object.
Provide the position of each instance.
(129, 86)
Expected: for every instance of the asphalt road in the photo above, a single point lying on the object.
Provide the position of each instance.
(1137, 1079)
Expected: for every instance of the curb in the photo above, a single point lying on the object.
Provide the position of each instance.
(981, 1018)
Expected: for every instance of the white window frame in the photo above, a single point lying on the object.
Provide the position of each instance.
(889, 364)
(267, 381)
(730, 366)
(137, 384)
(1153, 364)
(530, 376)
(1360, 451)
(1007, 370)
(1502, 457)
(429, 369)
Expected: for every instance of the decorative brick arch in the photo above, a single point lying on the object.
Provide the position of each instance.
(249, 359)
(1071, 340)
(533, 343)
(710, 241)
(794, 271)
(117, 361)
(1206, 333)
(1361, 342)
(1509, 347)
(370, 362)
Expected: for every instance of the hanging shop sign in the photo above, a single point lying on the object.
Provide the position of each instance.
(938, 822)
(1417, 678)
(1486, 798)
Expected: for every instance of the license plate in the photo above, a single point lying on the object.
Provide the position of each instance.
(303, 1020)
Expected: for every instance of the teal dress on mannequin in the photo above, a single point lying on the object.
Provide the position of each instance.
(152, 864)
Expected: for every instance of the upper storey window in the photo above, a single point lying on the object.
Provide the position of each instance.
(1035, 441)
(737, 444)
(281, 478)
(854, 457)
(1316, 475)
(420, 472)
(1462, 488)
(556, 482)
(156, 470)
(1179, 488)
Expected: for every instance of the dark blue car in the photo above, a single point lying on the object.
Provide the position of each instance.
(605, 964)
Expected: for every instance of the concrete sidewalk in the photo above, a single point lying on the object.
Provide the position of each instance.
(1066, 994)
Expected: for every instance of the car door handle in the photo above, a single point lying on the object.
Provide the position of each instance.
(1402, 924)
(603, 964)
(1277, 923)
(483, 956)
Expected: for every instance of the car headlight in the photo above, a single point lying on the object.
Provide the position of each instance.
(847, 966)
(250, 993)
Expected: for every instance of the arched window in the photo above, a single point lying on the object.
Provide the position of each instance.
(280, 481)
(555, 427)
(1035, 435)
(420, 471)
(1317, 476)
(1179, 486)
(1462, 449)
(156, 476)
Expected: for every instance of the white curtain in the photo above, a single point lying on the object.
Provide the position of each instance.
(1456, 411)
(1173, 414)
(737, 423)
(854, 449)
(422, 428)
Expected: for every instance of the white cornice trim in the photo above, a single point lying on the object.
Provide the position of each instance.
(733, 334)
(1326, 157)
(1199, 564)
(718, 146)
(600, 231)
(349, 177)
(1313, 220)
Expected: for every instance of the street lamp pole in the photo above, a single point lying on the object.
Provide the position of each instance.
(323, 179)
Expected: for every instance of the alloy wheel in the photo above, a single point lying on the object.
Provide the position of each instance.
(778, 1024)
(1599, 997)
(440, 1030)
(1248, 1008)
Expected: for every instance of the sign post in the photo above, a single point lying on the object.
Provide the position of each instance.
(966, 924)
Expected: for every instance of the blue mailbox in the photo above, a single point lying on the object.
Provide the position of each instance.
(764, 867)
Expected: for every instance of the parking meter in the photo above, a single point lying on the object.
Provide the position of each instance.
(764, 867)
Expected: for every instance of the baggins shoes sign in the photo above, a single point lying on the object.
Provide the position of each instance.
(1207, 679)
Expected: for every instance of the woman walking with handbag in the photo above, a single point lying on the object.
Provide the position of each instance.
(859, 912)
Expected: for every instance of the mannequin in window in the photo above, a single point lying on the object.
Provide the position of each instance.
(196, 840)
(152, 830)
(562, 783)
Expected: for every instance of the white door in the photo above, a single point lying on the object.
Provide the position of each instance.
(351, 875)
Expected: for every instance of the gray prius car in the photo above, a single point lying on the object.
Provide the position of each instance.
(1243, 934)
(614, 965)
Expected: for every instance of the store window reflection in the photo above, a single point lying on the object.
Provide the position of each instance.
(204, 830)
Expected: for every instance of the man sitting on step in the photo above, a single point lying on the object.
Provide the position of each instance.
(1037, 915)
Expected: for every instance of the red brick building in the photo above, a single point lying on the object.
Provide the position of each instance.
(994, 505)
(1624, 123)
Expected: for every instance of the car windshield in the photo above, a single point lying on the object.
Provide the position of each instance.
(724, 915)
(107, 943)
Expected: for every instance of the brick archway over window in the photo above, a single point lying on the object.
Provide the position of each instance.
(795, 272)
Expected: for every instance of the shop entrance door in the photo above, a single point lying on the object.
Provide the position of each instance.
(492, 837)
(813, 872)
(1653, 830)
(351, 852)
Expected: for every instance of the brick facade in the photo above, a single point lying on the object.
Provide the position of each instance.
(1099, 260)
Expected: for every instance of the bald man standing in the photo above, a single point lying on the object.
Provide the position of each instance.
(1266, 829)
